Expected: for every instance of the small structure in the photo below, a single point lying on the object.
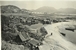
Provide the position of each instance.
(31, 21)
(55, 21)
(35, 29)
(24, 36)
(46, 21)
(34, 44)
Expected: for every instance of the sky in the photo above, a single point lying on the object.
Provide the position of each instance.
(35, 4)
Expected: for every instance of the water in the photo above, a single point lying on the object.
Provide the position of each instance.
(70, 35)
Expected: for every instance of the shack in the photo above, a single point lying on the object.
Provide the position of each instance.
(46, 21)
(34, 44)
(22, 38)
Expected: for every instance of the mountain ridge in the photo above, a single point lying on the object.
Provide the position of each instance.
(47, 9)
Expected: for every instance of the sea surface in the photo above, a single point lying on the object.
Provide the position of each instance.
(70, 35)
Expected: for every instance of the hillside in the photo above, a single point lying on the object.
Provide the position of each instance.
(15, 9)
(10, 9)
(67, 10)
(46, 9)
(53, 10)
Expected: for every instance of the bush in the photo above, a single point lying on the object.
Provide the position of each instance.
(8, 46)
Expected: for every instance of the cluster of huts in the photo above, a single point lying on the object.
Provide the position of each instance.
(36, 20)
(33, 20)
(32, 38)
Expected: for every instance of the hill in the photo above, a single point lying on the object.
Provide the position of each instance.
(46, 9)
(53, 10)
(10, 9)
(67, 10)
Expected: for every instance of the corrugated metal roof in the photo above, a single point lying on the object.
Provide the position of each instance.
(24, 36)
(34, 42)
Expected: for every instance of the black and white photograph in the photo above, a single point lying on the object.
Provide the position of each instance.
(38, 25)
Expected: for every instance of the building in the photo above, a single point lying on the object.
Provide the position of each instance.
(34, 44)
(22, 37)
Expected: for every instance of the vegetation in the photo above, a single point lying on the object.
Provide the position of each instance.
(8, 46)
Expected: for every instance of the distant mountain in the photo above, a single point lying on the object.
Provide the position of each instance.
(53, 10)
(67, 10)
(15, 9)
(46, 9)
(10, 9)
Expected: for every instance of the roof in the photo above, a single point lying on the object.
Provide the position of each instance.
(36, 26)
(24, 36)
(35, 29)
(34, 42)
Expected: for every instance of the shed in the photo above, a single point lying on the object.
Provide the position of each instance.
(24, 36)
(34, 42)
